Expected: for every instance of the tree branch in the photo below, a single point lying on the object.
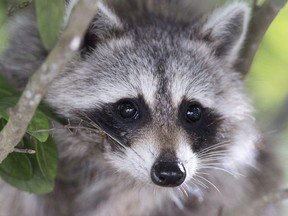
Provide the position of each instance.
(262, 17)
(61, 54)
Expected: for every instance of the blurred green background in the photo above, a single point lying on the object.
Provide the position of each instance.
(268, 85)
(268, 78)
(267, 81)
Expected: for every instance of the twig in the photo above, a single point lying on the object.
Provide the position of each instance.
(262, 17)
(66, 47)
(24, 151)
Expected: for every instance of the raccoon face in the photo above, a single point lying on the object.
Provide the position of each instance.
(165, 94)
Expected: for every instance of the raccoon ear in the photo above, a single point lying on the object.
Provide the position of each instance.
(105, 25)
(225, 30)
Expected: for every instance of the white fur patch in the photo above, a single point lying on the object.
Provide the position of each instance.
(138, 159)
(243, 151)
(187, 157)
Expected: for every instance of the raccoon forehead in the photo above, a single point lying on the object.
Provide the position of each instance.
(193, 75)
(101, 79)
(86, 93)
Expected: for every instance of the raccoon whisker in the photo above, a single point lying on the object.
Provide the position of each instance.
(96, 126)
(210, 161)
(213, 147)
(209, 182)
(117, 141)
(92, 123)
(213, 150)
(183, 190)
(222, 143)
(196, 181)
(214, 159)
(212, 154)
(234, 174)
(202, 173)
(186, 187)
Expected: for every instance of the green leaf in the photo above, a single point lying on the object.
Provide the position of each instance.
(38, 184)
(2, 123)
(49, 19)
(17, 166)
(46, 154)
(39, 126)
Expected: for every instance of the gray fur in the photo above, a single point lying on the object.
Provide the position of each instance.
(161, 55)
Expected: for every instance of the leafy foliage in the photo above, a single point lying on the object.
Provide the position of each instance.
(33, 173)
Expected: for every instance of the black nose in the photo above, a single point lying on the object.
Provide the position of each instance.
(168, 174)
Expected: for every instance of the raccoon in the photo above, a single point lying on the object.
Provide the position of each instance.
(167, 126)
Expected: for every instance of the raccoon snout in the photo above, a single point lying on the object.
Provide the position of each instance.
(168, 174)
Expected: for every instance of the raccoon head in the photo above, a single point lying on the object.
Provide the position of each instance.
(164, 92)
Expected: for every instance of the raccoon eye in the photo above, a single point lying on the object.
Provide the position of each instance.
(128, 110)
(194, 112)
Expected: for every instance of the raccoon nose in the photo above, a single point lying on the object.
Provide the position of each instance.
(168, 174)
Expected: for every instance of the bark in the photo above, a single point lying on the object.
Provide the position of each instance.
(261, 18)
